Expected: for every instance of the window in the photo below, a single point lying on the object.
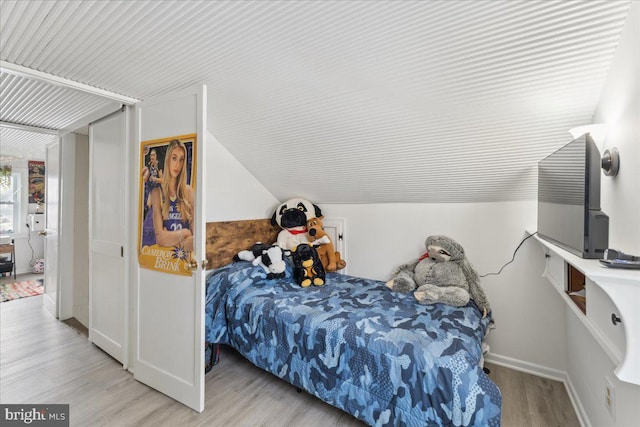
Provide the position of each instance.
(10, 203)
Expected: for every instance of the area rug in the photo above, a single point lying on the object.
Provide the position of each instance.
(26, 288)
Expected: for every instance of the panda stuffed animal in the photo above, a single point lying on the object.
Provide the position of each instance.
(292, 217)
(270, 258)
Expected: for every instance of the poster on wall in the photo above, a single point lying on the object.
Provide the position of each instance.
(36, 182)
(166, 204)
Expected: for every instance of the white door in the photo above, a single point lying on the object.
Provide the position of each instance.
(52, 215)
(107, 227)
(335, 229)
(169, 354)
(59, 226)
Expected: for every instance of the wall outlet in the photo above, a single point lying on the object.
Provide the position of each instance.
(610, 397)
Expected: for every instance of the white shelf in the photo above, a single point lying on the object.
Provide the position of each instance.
(35, 221)
(623, 288)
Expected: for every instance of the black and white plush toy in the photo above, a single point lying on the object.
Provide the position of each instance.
(292, 217)
(443, 274)
(270, 258)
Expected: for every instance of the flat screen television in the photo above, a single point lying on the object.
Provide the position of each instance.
(569, 212)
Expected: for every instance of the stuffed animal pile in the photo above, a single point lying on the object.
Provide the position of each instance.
(303, 235)
(443, 275)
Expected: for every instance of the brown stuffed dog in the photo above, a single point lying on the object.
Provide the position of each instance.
(331, 260)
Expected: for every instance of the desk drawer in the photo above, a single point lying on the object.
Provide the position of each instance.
(599, 311)
(557, 270)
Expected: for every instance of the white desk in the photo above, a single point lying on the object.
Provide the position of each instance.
(622, 287)
(9, 248)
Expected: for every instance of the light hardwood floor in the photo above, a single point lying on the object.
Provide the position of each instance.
(46, 361)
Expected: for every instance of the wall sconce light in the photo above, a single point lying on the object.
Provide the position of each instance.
(610, 161)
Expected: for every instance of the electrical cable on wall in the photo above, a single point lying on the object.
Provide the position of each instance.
(33, 259)
(512, 258)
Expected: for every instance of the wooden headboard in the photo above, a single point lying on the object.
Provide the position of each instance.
(227, 238)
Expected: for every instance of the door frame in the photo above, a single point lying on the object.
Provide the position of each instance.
(62, 308)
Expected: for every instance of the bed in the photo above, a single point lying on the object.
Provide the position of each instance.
(374, 353)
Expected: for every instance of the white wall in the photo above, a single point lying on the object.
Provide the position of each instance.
(588, 369)
(232, 192)
(81, 232)
(529, 315)
(619, 108)
(67, 225)
(23, 250)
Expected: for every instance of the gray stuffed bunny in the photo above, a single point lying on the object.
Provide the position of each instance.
(444, 275)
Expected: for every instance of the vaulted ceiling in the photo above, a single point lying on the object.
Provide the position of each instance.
(339, 102)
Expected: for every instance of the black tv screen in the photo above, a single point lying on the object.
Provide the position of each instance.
(569, 212)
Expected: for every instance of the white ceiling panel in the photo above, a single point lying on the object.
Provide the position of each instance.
(16, 144)
(346, 102)
(31, 102)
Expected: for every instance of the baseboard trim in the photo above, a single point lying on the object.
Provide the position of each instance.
(575, 401)
(544, 372)
(526, 367)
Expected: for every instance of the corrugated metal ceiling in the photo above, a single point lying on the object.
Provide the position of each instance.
(348, 102)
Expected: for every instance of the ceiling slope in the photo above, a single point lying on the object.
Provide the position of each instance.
(348, 102)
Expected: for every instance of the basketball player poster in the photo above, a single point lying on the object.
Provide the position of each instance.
(166, 204)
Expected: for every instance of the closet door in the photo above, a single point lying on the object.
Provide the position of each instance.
(169, 353)
(107, 225)
(335, 228)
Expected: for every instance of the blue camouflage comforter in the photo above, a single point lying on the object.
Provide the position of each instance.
(374, 353)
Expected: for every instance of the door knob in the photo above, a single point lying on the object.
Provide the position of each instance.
(42, 233)
(205, 262)
(193, 265)
(615, 319)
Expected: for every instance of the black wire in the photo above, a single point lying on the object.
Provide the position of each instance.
(32, 260)
(514, 256)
